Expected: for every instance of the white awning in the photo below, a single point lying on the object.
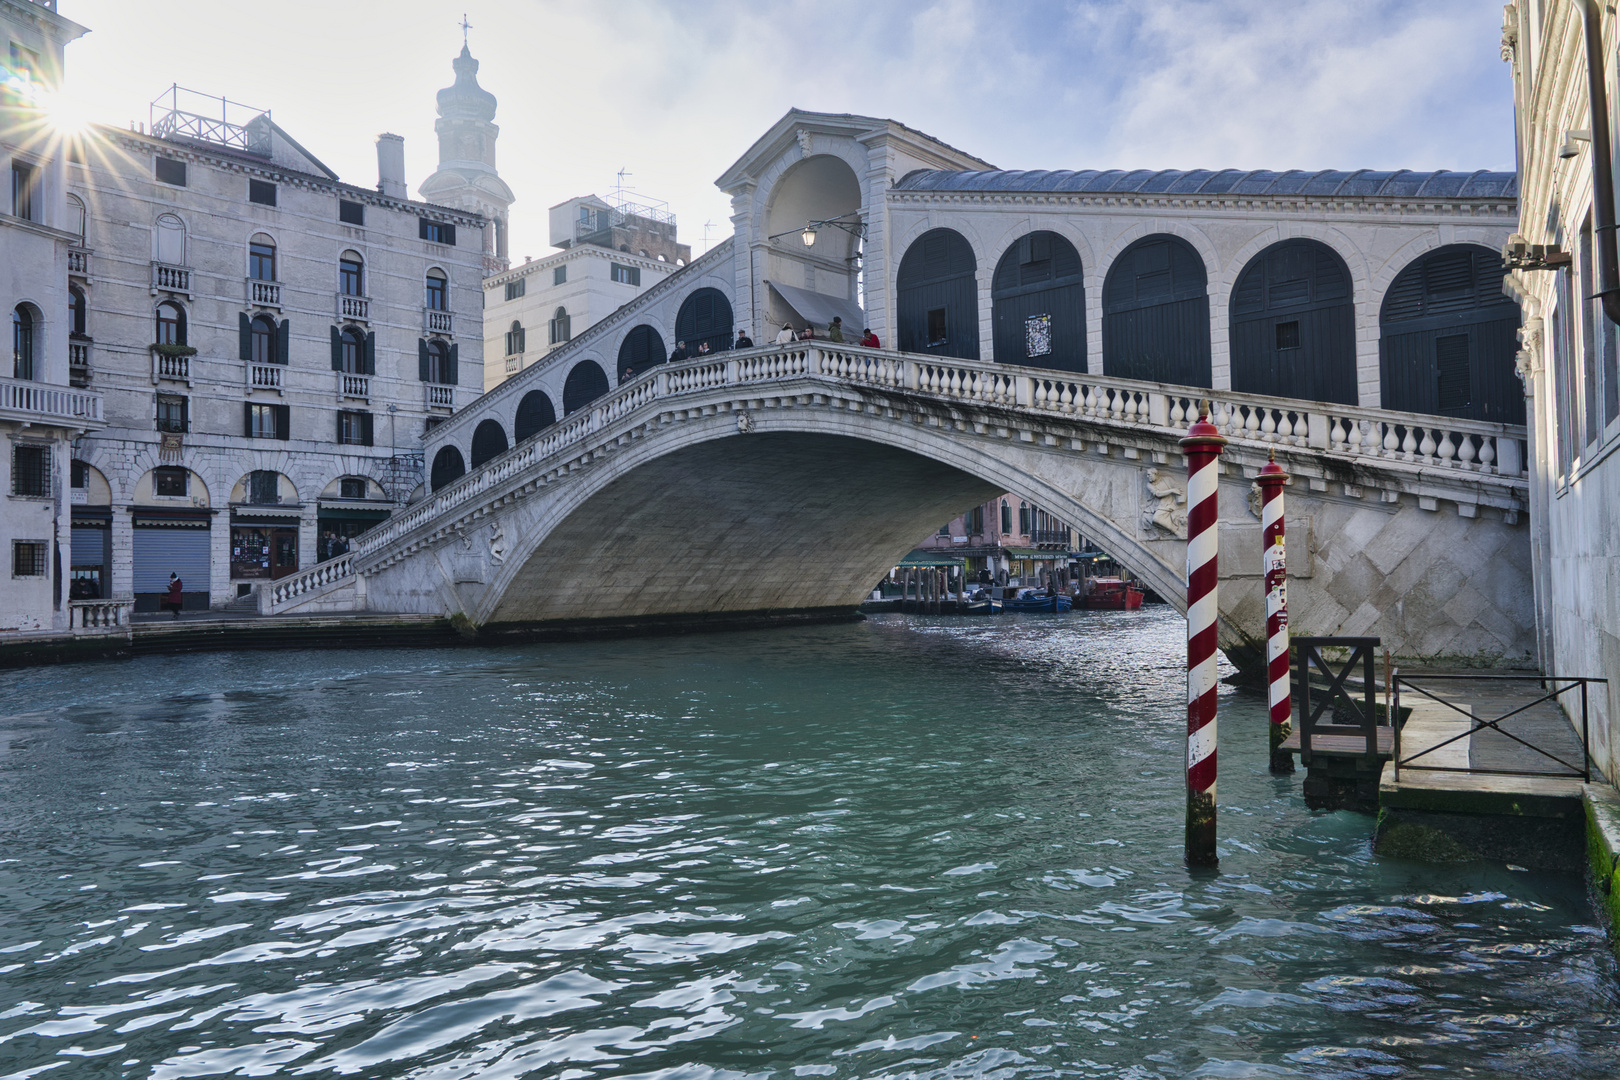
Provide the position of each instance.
(818, 310)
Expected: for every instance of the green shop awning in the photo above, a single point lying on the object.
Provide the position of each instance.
(1035, 553)
(920, 557)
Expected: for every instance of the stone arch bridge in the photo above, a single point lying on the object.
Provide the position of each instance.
(786, 480)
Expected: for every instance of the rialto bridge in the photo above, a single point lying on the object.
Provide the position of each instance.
(1047, 333)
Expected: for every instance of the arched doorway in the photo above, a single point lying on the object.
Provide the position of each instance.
(704, 319)
(1447, 338)
(937, 296)
(641, 349)
(1294, 324)
(1038, 304)
(489, 440)
(448, 466)
(817, 198)
(585, 383)
(1156, 313)
(534, 413)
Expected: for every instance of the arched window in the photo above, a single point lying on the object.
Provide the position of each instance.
(641, 349)
(448, 465)
(489, 440)
(76, 312)
(438, 363)
(1447, 338)
(352, 346)
(22, 342)
(75, 217)
(171, 323)
(438, 291)
(262, 258)
(351, 274)
(1006, 518)
(1156, 313)
(705, 318)
(937, 296)
(1294, 324)
(585, 383)
(514, 339)
(1038, 304)
(264, 340)
(534, 412)
(169, 243)
(559, 326)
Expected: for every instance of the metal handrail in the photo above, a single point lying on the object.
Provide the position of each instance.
(1583, 771)
(1308, 654)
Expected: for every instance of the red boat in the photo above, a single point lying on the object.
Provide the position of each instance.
(1110, 594)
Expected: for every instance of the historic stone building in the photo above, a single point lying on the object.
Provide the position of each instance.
(271, 344)
(611, 252)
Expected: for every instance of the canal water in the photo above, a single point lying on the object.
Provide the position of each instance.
(908, 847)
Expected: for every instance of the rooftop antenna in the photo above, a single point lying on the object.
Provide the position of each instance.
(465, 26)
(707, 225)
(618, 190)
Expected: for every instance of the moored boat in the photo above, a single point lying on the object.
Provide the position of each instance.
(1111, 594)
(1035, 600)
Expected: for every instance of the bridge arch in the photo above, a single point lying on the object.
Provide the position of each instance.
(1447, 338)
(488, 441)
(641, 349)
(585, 383)
(1293, 324)
(704, 319)
(534, 413)
(937, 296)
(1156, 313)
(1038, 304)
(448, 466)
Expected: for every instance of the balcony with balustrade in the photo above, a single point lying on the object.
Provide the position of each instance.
(356, 387)
(171, 363)
(266, 377)
(79, 263)
(436, 321)
(262, 293)
(169, 278)
(353, 308)
(79, 372)
(24, 401)
(440, 397)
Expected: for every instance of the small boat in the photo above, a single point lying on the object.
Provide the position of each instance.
(1111, 594)
(980, 607)
(1036, 600)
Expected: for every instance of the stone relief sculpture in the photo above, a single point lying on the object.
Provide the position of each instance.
(1169, 496)
(1254, 499)
(497, 542)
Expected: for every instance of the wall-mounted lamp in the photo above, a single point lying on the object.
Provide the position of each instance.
(1571, 137)
(808, 233)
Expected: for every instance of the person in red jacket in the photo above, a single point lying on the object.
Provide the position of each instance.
(173, 600)
(870, 340)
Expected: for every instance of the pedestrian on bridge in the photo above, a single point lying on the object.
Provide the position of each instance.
(679, 354)
(870, 340)
(743, 340)
(835, 330)
(786, 335)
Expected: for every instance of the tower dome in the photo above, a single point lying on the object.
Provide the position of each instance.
(466, 177)
(466, 99)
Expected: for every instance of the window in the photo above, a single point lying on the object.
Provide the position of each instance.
(262, 259)
(438, 365)
(559, 326)
(28, 558)
(76, 311)
(171, 324)
(170, 247)
(1287, 335)
(976, 521)
(170, 171)
(75, 218)
(78, 474)
(559, 275)
(349, 279)
(30, 471)
(437, 290)
(170, 482)
(262, 192)
(1006, 517)
(626, 275)
(515, 289)
(436, 232)
(172, 413)
(351, 488)
(22, 343)
(352, 351)
(354, 428)
(1023, 519)
(20, 89)
(945, 529)
(24, 189)
(264, 340)
(264, 487)
(936, 327)
(514, 339)
(351, 213)
(1451, 365)
(267, 421)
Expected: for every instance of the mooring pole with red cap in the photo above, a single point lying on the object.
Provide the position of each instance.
(1202, 448)
(1272, 479)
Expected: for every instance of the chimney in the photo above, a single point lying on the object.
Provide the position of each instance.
(391, 165)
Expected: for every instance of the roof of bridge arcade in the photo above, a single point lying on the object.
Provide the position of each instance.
(1363, 183)
(781, 133)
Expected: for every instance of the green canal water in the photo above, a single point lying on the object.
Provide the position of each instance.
(909, 847)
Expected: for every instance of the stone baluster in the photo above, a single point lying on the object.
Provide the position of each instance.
(1426, 447)
(1487, 453)
(1465, 451)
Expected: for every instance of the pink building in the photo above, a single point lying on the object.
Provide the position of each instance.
(1007, 535)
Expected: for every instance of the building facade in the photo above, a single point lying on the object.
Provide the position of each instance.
(1562, 55)
(1009, 539)
(271, 344)
(43, 413)
(610, 254)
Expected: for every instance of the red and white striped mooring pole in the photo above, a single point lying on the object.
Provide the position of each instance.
(1202, 448)
(1271, 480)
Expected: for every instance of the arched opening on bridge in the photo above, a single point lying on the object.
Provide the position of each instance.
(1294, 324)
(448, 466)
(585, 383)
(1038, 304)
(641, 349)
(1156, 313)
(534, 412)
(1447, 338)
(937, 296)
(488, 441)
(704, 319)
(819, 189)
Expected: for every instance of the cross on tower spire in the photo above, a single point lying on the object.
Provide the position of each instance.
(465, 26)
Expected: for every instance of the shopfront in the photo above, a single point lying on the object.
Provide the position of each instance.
(171, 541)
(341, 520)
(264, 544)
(90, 556)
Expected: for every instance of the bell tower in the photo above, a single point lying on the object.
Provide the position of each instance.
(466, 178)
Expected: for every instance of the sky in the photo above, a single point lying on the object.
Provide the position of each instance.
(675, 91)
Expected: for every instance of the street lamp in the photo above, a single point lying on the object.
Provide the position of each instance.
(808, 236)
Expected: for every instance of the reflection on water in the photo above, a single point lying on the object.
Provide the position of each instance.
(909, 847)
